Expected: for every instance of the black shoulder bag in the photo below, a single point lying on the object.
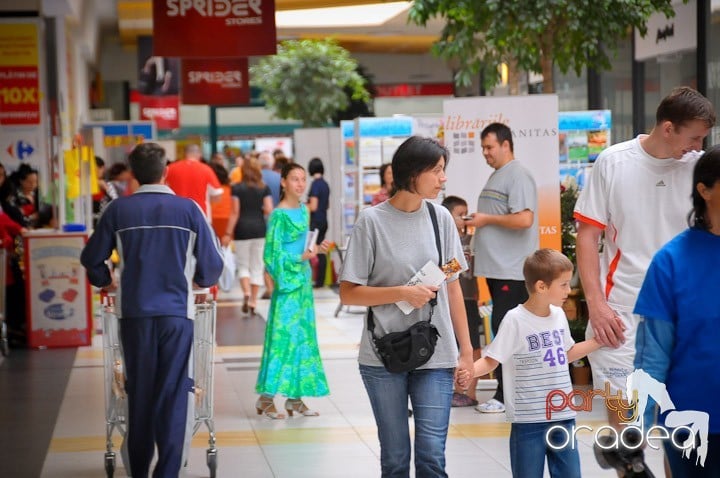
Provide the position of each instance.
(407, 350)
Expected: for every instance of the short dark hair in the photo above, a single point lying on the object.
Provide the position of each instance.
(502, 133)
(221, 173)
(116, 170)
(451, 202)
(147, 162)
(315, 166)
(707, 172)
(683, 105)
(99, 162)
(545, 265)
(415, 155)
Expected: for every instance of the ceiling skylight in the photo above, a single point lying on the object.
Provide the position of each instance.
(354, 16)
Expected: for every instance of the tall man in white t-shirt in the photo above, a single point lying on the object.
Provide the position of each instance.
(506, 232)
(637, 199)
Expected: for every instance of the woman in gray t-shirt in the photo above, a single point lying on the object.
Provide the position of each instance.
(389, 244)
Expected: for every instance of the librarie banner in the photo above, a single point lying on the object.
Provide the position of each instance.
(534, 123)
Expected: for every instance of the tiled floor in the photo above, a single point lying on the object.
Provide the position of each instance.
(340, 442)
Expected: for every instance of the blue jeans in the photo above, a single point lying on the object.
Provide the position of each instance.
(430, 392)
(528, 450)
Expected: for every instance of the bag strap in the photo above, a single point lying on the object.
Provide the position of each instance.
(433, 301)
(433, 218)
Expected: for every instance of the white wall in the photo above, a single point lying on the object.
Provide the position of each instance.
(324, 143)
(391, 68)
(117, 63)
(412, 105)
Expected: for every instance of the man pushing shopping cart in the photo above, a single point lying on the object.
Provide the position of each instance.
(166, 247)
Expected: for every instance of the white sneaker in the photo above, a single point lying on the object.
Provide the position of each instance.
(491, 406)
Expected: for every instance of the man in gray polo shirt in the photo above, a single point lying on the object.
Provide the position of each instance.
(506, 232)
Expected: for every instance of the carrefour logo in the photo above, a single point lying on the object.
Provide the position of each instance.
(20, 150)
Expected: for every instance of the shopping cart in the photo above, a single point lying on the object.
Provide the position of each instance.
(4, 347)
(201, 370)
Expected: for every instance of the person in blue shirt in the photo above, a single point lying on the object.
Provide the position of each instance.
(270, 176)
(318, 204)
(678, 337)
(166, 247)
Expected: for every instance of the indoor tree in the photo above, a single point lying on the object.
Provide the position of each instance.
(533, 35)
(308, 80)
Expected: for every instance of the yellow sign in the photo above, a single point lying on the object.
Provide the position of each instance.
(18, 44)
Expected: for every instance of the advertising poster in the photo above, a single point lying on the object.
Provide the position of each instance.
(158, 86)
(272, 143)
(534, 122)
(214, 29)
(58, 293)
(23, 133)
(582, 135)
(19, 75)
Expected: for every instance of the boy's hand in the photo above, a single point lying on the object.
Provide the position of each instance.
(464, 372)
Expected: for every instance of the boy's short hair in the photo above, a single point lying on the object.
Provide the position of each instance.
(451, 202)
(545, 265)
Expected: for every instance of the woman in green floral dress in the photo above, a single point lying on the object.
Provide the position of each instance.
(290, 363)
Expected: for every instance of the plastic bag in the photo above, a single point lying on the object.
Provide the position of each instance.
(227, 278)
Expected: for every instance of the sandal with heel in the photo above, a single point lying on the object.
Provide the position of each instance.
(266, 406)
(297, 406)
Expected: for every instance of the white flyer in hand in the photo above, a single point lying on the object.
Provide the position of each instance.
(429, 274)
(311, 239)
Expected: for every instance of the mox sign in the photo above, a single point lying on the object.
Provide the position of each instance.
(215, 82)
(214, 28)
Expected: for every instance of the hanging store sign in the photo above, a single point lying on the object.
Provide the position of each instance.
(668, 36)
(214, 28)
(215, 82)
(158, 86)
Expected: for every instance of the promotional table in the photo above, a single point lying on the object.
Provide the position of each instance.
(59, 308)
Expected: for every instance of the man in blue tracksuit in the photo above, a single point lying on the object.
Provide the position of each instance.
(165, 246)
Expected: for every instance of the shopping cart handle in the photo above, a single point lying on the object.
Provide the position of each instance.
(107, 298)
(201, 295)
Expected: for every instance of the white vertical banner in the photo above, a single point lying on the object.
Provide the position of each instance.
(534, 123)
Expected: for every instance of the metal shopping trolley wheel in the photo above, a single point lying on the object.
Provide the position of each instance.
(212, 461)
(110, 464)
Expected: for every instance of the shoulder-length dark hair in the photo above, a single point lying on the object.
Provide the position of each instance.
(706, 172)
(414, 156)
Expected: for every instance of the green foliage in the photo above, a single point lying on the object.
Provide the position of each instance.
(570, 33)
(568, 198)
(357, 108)
(307, 80)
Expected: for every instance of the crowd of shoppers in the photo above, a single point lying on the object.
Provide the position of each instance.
(642, 291)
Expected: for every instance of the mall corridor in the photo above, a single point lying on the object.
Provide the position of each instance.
(52, 419)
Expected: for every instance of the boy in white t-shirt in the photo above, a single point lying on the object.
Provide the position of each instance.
(535, 347)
